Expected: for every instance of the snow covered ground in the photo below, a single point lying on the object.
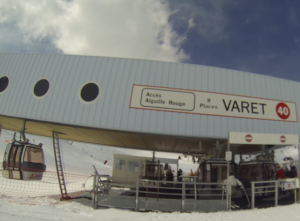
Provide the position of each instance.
(81, 210)
(79, 158)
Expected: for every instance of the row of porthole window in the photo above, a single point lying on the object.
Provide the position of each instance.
(88, 93)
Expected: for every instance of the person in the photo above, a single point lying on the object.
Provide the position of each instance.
(293, 172)
(279, 172)
(179, 174)
(191, 173)
(230, 182)
(169, 175)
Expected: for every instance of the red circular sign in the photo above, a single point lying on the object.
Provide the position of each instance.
(289, 185)
(282, 139)
(283, 111)
(248, 138)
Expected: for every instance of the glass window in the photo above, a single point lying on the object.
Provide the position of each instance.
(89, 92)
(214, 173)
(41, 88)
(224, 172)
(199, 172)
(11, 156)
(3, 83)
(207, 177)
(142, 166)
(33, 155)
(17, 159)
(244, 172)
(133, 166)
(119, 164)
(271, 171)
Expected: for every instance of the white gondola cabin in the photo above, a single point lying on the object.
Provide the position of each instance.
(23, 161)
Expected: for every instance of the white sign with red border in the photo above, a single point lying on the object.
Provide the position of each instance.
(287, 185)
(210, 103)
(261, 138)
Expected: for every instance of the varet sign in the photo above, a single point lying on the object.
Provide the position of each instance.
(209, 103)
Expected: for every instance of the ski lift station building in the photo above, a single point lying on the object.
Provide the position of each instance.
(141, 104)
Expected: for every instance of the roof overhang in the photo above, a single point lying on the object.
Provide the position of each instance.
(133, 140)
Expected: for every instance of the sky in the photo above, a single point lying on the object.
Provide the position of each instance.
(251, 35)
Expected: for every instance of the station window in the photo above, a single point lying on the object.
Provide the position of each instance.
(133, 166)
(89, 92)
(3, 83)
(33, 155)
(41, 88)
(120, 164)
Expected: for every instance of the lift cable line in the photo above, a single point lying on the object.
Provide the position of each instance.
(59, 167)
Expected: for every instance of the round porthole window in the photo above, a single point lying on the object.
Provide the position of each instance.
(3, 83)
(41, 88)
(89, 92)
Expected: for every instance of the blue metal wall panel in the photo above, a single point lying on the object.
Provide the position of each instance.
(54, 82)
(88, 111)
(157, 116)
(113, 93)
(165, 83)
(115, 76)
(77, 107)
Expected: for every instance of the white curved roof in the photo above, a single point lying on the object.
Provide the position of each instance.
(112, 117)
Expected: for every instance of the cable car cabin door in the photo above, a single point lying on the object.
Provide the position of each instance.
(11, 161)
(32, 164)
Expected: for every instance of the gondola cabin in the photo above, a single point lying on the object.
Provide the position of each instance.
(23, 161)
(214, 170)
(258, 170)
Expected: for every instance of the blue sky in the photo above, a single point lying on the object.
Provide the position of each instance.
(250, 35)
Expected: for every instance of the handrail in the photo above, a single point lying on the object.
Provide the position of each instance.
(275, 190)
(188, 189)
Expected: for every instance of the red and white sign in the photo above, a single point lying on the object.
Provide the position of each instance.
(248, 138)
(283, 111)
(288, 185)
(282, 139)
(262, 139)
(210, 103)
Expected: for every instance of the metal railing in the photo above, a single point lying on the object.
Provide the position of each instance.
(188, 193)
(140, 193)
(271, 187)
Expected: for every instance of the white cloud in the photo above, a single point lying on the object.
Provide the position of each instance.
(116, 28)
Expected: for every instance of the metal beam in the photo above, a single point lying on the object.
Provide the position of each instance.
(176, 143)
(115, 139)
(141, 138)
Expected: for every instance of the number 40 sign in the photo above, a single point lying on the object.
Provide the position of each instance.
(283, 111)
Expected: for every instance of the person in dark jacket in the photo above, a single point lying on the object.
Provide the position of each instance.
(179, 174)
(169, 175)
